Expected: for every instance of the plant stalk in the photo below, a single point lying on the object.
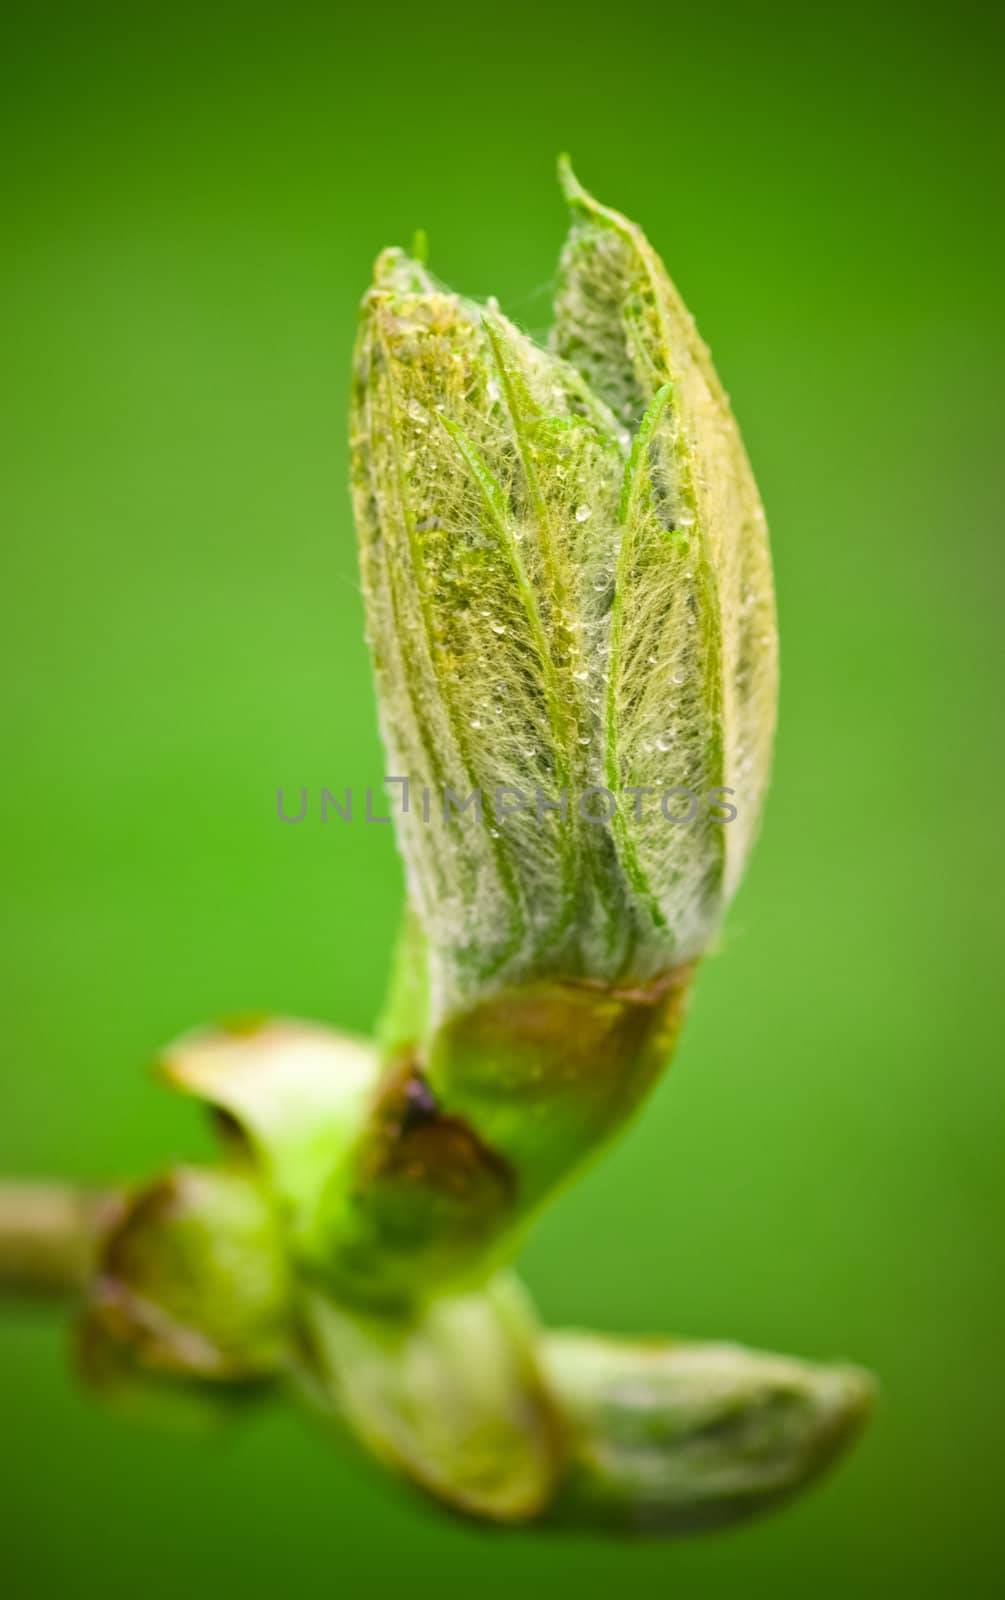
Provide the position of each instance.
(49, 1234)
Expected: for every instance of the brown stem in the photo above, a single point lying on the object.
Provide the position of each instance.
(48, 1237)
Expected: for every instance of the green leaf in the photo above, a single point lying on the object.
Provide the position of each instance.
(708, 694)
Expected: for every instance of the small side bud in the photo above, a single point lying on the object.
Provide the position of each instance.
(452, 1398)
(680, 1438)
(192, 1280)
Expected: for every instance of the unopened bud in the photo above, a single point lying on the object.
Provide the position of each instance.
(568, 588)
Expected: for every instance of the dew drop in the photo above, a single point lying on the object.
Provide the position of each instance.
(583, 513)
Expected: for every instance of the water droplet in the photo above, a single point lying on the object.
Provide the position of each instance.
(665, 740)
(581, 677)
(676, 677)
(417, 412)
(583, 513)
(475, 722)
(498, 627)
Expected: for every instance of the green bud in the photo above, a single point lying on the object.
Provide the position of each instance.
(568, 589)
(451, 1397)
(192, 1281)
(678, 1438)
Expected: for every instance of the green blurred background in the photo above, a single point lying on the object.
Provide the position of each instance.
(196, 197)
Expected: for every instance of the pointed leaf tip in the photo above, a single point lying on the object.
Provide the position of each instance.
(571, 187)
(581, 201)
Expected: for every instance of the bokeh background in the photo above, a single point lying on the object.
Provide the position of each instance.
(195, 197)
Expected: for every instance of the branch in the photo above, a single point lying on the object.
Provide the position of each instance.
(49, 1234)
